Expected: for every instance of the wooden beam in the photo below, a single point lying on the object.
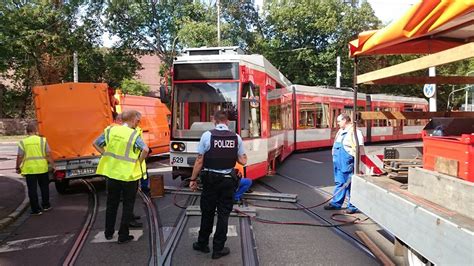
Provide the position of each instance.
(368, 115)
(403, 80)
(448, 56)
(384, 259)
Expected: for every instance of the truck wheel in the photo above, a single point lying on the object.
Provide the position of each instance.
(413, 258)
(61, 186)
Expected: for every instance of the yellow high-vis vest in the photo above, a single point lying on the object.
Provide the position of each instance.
(34, 159)
(120, 159)
(141, 169)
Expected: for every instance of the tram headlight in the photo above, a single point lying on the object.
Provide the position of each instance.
(178, 146)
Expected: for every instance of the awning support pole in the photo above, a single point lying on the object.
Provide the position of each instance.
(354, 119)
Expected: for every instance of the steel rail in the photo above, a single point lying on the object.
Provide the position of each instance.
(173, 240)
(354, 241)
(247, 241)
(86, 228)
(155, 232)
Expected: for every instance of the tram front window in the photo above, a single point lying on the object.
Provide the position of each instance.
(196, 104)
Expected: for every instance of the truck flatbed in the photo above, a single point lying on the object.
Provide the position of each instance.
(441, 235)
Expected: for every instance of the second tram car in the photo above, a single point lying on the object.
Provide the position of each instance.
(273, 117)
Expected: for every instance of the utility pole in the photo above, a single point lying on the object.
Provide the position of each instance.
(218, 3)
(76, 72)
(338, 72)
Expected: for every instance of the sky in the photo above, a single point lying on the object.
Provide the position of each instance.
(386, 10)
(389, 10)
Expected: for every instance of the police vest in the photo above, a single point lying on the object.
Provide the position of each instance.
(34, 160)
(120, 159)
(223, 150)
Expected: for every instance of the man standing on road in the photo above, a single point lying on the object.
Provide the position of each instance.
(343, 153)
(122, 151)
(32, 162)
(219, 150)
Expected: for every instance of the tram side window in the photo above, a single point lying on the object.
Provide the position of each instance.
(307, 115)
(392, 122)
(380, 122)
(275, 117)
(412, 122)
(335, 114)
(250, 111)
(287, 116)
(322, 115)
(349, 110)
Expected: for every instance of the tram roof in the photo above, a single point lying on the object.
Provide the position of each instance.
(254, 61)
(396, 98)
(327, 91)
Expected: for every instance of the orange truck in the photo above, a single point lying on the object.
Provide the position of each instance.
(72, 115)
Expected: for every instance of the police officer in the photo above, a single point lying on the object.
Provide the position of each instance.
(32, 162)
(343, 153)
(122, 151)
(219, 150)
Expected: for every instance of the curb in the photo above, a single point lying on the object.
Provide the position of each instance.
(19, 210)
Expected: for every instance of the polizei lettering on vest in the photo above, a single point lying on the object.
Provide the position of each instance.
(228, 144)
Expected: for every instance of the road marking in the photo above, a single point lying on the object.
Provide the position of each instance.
(231, 231)
(37, 242)
(100, 237)
(167, 230)
(312, 161)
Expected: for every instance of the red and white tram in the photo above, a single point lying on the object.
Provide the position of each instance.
(273, 117)
(382, 130)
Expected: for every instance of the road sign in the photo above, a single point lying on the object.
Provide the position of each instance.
(429, 90)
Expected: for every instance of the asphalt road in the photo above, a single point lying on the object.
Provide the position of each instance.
(46, 239)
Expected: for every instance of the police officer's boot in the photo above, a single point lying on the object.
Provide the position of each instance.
(221, 253)
(202, 248)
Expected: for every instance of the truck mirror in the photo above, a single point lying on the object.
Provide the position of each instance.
(164, 94)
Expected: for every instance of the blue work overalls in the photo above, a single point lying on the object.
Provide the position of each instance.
(343, 169)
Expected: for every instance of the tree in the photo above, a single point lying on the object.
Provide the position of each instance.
(37, 41)
(303, 38)
(134, 87)
(162, 27)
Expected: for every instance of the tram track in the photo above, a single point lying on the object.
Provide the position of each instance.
(173, 240)
(81, 238)
(154, 229)
(247, 241)
(348, 237)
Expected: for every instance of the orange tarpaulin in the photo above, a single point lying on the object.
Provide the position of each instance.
(445, 23)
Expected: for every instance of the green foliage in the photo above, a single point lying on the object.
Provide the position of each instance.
(37, 42)
(162, 27)
(303, 38)
(134, 87)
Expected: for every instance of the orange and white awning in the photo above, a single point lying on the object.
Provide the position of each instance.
(428, 27)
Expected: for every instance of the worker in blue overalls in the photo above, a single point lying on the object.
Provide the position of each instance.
(343, 154)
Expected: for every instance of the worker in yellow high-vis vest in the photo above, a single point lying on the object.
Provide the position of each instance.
(343, 156)
(144, 181)
(123, 151)
(32, 162)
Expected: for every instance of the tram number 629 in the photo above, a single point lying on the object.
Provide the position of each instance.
(178, 160)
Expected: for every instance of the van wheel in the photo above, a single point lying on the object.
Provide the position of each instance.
(61, 186)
